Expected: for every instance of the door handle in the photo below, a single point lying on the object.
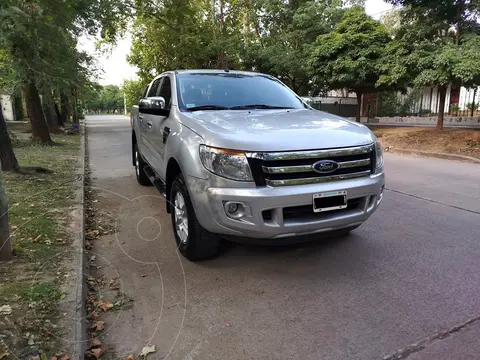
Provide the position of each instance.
(166, 132)
(149, 124)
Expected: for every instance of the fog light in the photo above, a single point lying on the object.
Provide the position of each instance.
(232, 208)
(236, 210)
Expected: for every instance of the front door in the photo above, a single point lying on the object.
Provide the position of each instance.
(160, 129)
(146, 122)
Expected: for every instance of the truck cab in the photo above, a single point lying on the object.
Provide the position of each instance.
(240, 155)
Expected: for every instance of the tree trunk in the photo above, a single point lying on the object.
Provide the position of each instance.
(5, 247)
(63, 108)
(50, 114)
(74, 106)
(37, 120)
(359, 105)
(57, 113)
(442, 92)
(7, 156)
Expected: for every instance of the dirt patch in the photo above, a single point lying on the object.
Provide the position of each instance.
(452, 141)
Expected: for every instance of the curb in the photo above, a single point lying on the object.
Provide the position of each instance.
(435, 155)
(77, 333)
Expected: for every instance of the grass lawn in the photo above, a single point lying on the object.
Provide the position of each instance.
(452, 141)
(38, 219)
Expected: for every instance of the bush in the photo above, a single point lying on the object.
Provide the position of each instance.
(472, 106)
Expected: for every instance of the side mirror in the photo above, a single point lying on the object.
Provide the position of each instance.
(153, 105)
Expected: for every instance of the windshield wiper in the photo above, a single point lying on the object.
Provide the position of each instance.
(258, 106)
(207, 107)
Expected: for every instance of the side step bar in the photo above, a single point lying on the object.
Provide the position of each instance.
(156, 181)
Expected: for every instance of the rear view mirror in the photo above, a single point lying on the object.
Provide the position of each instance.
(153, 105)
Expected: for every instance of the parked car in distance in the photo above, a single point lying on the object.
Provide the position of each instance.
(239, 155)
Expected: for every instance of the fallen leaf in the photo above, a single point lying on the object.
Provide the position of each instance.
(31, 340)
(54, 358)
(98, 325)
(105, 305)
(226, 325)
(92, 234)
(13, 227)
(92, 316)
(37, 238)
(97, 353)
(129, 357)
(62, 296)
(94, 343)
(5, 310)
(113, 284)
(143, 275)
(65, 357)
(48, 242)
(43, 357)
(5, 354)
(36, 357)
(147, 350)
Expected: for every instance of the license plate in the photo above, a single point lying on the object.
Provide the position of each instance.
(327, 201)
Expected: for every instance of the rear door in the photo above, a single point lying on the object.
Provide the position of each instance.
(160, 129)
(147, 127)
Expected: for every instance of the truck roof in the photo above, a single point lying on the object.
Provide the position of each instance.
(218, 71)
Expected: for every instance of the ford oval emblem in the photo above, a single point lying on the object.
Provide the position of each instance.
(325, 166)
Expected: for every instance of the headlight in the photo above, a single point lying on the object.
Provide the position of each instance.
(230, 164)
(378, 156)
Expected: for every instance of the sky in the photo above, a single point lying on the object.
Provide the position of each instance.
(116, 69)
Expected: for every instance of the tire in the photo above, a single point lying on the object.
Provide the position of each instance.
(194, 242)
(140, 164)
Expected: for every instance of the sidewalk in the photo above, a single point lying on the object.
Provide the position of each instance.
(459, 126)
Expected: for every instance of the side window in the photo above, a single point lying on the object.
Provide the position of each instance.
(166, 91)
(154, 88)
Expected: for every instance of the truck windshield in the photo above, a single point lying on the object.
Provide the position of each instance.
(233, 91)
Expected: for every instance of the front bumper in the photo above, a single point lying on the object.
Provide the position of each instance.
(281, 203)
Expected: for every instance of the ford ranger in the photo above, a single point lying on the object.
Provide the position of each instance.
(240, 155)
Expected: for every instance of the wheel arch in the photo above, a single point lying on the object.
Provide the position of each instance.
(134, 142)
(173, 169)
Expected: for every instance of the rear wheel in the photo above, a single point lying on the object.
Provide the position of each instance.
(140, 165)
(193, 241)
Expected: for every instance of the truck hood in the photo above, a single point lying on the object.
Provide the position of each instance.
(276, 130)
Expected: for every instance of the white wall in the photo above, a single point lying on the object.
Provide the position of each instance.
(7, 108)
(466, 97)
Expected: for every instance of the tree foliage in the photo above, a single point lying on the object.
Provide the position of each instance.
(133, 90)
(104, 100)
(350, 56)
(436, 45)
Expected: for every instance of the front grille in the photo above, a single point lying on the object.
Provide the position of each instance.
(296, 168)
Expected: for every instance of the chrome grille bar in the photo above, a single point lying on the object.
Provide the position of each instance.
(316, 180)
(309, 154)
(309, 168)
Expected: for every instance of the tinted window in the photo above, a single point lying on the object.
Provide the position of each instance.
(230, 89)
(154, 89)
(166, 91)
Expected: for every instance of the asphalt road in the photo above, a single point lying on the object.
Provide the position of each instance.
(411, 272)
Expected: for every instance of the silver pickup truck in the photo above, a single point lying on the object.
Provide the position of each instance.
(240, 155)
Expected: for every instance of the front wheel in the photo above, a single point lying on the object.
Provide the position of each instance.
(193, 241)
(140, 165)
